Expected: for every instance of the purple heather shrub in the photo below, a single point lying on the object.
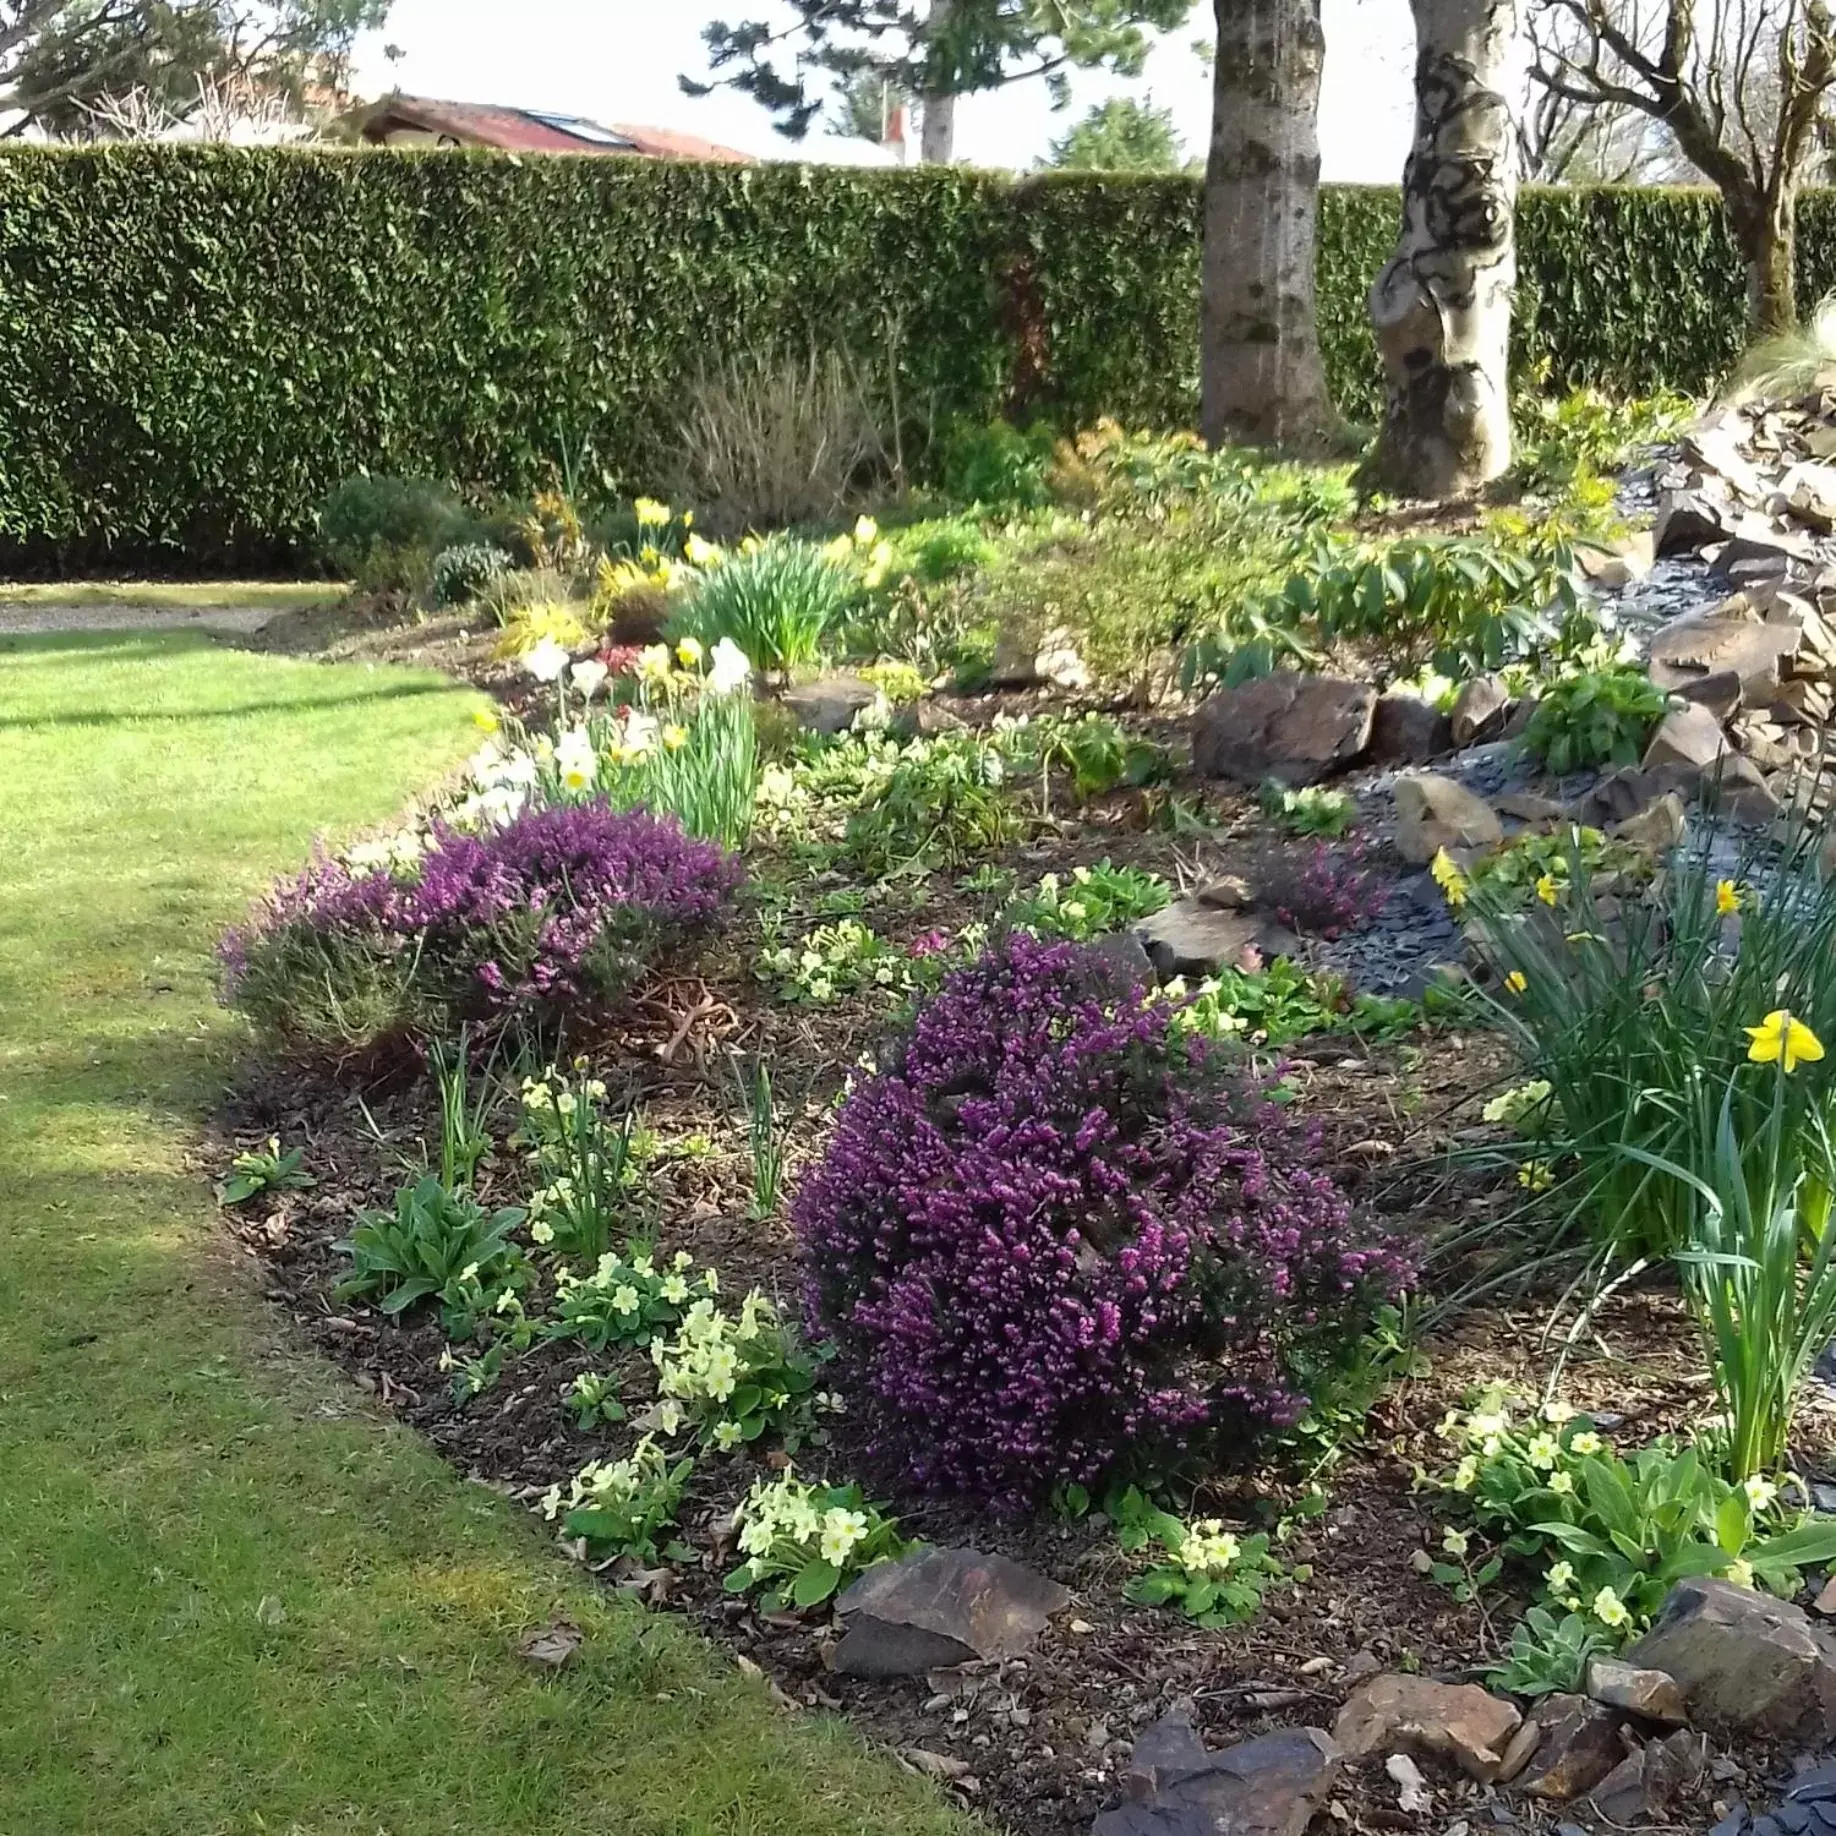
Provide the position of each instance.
(561, 905)
(1334, 892)
(1056, 1231)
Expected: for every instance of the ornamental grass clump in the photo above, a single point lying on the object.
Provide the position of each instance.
(1058, 1231)
(561, 907)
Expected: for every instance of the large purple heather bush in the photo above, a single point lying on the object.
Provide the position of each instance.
(560, 908)
(1056, 1232)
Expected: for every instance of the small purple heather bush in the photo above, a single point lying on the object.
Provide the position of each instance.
(561, 907)
(1056, 1232)
(1332, 893)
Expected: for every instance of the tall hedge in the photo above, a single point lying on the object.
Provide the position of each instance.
(197, 343)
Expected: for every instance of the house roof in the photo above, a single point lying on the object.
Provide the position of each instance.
(524, 130)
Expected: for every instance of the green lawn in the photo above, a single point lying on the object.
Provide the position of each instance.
(232, 1601)
(178, 595)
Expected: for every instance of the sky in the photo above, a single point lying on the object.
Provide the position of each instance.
(617, 60)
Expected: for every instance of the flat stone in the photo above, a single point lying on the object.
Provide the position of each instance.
(1757, 553)
(1687, 736)
(1743, 1661)
(1715, 447)
(1433, 813)
(1580, 1746)
(940, 1607)
(1651, 1693)
(1520, 1752)
(1271, 1786)
(1456, 1721)
(1228, 892)
(1191, 937)
(1804, 700)
(1295, 729)
(1618, 564)
(1058, 661)
(1687, 522)
(1648, 1783)
(1527, 806)
(1480, 707)
(1656, 829)
(1405, 730)
(1720, 692)
(830, 704)
(1125, 954)
(1732, 636)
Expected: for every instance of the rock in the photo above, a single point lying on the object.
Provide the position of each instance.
(1810, 494)
(1479, 710)
(1687, 522)
(1520, 1752)
(1016, 659)
(1228, 893)
(1739, 786)
(1405, 730)
(1057, 661)
(939, 1607)
(1648, 1783)
(830, 704)
(1616, 565)
(1433, 813)
(1579, 1747)
(1765, 744)
(924, 720)
(1127, 956)
(1719, 691)
(1625, 794)
(1293, 728)
(1651, 1693)
(1808, 702)
(1714, 446)
(1190, 937)
(1743, 1661)
(1825, 1603)
(1271, 1786)
(1733, 636)
(1756, 555)
(1656, 829)
(1687, 736)
(1457, 1721)
(1527, 806)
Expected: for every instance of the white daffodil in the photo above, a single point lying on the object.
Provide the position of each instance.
(546, 661)
(728, 670)
(589, 676)
(575, 761)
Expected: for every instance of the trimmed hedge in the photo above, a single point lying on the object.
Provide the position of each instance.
(196, 344)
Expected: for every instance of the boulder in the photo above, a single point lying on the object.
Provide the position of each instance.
(1580, 1745)
(1714, 445)
(939, 1607)
(1433, 813)
(1456, 1721)
(1405, 730)
(1271, 1786)
(1720, 692)
(1687, 522)
(1480, 708)
(830, 704)
(1057, 661)
(1733, 636)
(1193, 937)
(1295, 729)
(1127, 956)
(1528, 807)
(1647, 1784)
(1652, 1694)
(1759, 556)
(1656, 829)
(1744, 1662)
(1616, 565)
(1687, 736)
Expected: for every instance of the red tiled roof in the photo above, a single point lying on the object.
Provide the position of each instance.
(517, 130)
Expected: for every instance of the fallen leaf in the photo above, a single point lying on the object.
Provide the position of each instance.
(270, 1611)
(933, 1765)
(551, 1646)
(1412, 1793)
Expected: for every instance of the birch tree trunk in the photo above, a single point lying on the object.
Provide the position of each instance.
(1261, 377)
(937, 108)
(1442, 307)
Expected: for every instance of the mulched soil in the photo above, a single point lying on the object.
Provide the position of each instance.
(1036, 1744)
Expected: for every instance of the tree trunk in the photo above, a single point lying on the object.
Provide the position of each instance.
(1442, 308)
(1766, 233)
(937, 106)
(1261, 377)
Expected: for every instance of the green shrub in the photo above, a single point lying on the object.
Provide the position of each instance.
(1563, 440)
(1599, 717)
(777, 602)
(466, 570)
(995, 466)
(378, 530)
(425, 1246)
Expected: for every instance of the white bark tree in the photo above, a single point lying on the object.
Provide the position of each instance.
(1442, 306)
(1262, 378)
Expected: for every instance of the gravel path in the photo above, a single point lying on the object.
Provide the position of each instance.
(26, 620)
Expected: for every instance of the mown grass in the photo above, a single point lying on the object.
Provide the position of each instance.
(174, 595)
(231, 1599)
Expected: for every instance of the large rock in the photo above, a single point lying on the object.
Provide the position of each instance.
(939, 1607)
(1688, 521)
(1759, 555)
(1615, 565)
(1647, 1784)
(1433, 813)
(1652, 1694)
(830, 704)
(1271, 1786)
(1456, 1721)
(1720, 692)
(1744, 1661)
(1580, 1745)
(1196, 937)
(1405, 730)
(1687, 736)
(1480, 708)
(1731, 636)
(1295, 729)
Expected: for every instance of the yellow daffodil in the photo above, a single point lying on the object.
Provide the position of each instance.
(653, 663)
(651, 514)
(839, 552)
(1727, 898)
(1516, 981)
(866, 532)
(1446, 874)
(1782, 1040)
(485, 721)
(1548, 889)
(700, 553)
(688, 652)
(674, 738)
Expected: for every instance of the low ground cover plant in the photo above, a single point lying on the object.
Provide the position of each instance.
(804, 1542)
(1595, 717)
(1053, 1233)
(558, 906)
(431, 1243)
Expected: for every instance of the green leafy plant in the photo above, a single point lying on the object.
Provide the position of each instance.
(462, 573)
(1091, 903)
(265, 1170)
(1562, 439)
(589, 1171)
(628, 1299)
(996, 466)
(466, 1105)
(621, 1507)
(1549, 1653)
(593, 1401)
(386, 531)
(1210, 1573)
(764, 1136)
(699, 762)
(1598, 717)
(1284, 1002)
(941, 805)
(737, 1378)
(833, 962)
(777, 601)
(426, 1246)
(1316, 809)
(804, 1542)
(1094, 752)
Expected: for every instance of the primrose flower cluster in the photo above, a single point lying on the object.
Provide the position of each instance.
(626, 1300)
(559, 905)
(621, 1506)
(1053, 1231)
(808, 1539)
(734, 1378)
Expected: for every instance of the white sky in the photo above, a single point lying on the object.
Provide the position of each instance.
(617, 60)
